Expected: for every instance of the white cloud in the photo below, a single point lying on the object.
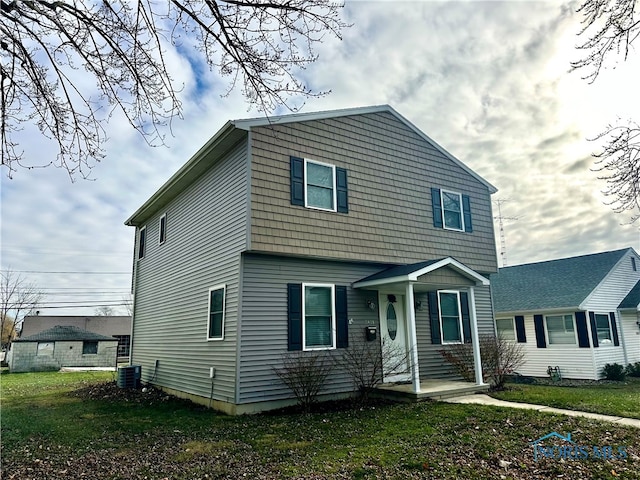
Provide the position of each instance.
(489, 81)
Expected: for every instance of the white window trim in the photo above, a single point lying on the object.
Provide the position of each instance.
(333, 317)
(160, 239)
(223, 287)
(142, 252)
(457, 292)
(575, 331)
(335, 192)
(444, 223)
(513, 324)
(610, 344)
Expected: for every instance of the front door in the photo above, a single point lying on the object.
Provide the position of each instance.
(393, 337)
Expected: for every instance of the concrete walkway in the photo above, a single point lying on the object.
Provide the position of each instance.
(482, 399)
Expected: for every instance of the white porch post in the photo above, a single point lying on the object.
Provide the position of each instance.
(413, 339)
(474, 337)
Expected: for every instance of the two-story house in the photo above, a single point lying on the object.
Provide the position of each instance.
(297, 233)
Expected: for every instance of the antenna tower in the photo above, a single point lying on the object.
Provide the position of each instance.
(503, 242)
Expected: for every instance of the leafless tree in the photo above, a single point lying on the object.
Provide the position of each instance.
(17, 298)
(48, 47)
(104, 311)
(610, 28)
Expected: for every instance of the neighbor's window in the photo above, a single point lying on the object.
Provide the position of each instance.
(506, 328)
(450, 318)
(89, 347)
(633, 264)
(603, 327)
(319, 327)
(124, 345)
(452, 210)
(45, 348)
(560, 329)
(162, 235)
(320, 185)
(142, 240)
(216, 313)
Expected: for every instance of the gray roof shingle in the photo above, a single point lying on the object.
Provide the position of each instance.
(632, 300)
(552, 284)
(64, 333)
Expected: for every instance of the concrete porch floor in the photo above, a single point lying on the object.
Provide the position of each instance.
(430, 389)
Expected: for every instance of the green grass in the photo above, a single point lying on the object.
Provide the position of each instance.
(49, 432)
(619, 398)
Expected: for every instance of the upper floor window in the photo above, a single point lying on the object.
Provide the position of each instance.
(318, 185)
(506, 328)
(451, 210)
(633, 264)
(561, 329)
(162, 231)
(142, 240)
(216, 313)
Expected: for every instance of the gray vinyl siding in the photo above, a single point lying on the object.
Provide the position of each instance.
(206, 231)
(391, 171)
(430, 361)
(264, 319)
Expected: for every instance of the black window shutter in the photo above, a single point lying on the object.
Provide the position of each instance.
(521, 334)
(433, 318)
(583, 336)
(466, 318)
(342, 320)
(614, 329)
(436, 205)
(297, 181)
(294, 312)
(341, 190)
(466, 211)
(538, 323)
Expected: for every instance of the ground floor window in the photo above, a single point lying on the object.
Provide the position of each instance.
(216, 312)
(450, 317)
(603, 329)
(506, 328)
(561, 329)
(318, 326)
(89, 347)
(45, 349)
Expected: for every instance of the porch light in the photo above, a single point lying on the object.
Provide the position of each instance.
(371, 305)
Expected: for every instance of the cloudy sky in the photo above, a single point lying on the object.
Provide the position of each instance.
(489, 81)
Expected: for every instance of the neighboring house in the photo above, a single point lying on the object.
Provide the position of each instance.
(576, 313)
(62, 346)
(118, 327)
(304, 233)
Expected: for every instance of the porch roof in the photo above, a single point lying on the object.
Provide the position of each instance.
(413, 272)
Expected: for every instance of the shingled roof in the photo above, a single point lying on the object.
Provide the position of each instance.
(563, 283)
(65, 333)
(632, 300)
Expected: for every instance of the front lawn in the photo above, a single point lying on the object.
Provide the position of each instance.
(615, 398)
(102, 432)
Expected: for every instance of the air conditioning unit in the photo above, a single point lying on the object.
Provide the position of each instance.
(129, 377)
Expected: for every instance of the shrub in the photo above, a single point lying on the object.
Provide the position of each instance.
(305, 374)
(366, 362)
(613, 371)
(633, 369)
(499, 357)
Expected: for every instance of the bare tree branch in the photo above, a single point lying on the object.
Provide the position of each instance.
(17, 298)
(611, 27)
(47, 48)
